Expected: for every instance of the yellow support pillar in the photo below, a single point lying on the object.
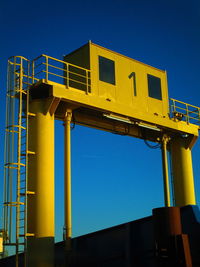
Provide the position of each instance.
(165, 171)
(182, 169)
(40, 202)
(67, 186)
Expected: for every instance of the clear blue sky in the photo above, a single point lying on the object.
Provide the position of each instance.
(115, 178)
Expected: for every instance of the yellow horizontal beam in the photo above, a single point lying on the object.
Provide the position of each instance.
(95, 102)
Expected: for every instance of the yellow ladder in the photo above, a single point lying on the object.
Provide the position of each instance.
(16, 154)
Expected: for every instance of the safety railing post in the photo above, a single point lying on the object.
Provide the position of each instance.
(87, 81)
(67, 75)
(47, 68)
(33, 71)
(174, 106)
(187, 114)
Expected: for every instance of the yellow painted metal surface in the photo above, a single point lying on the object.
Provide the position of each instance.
(67, 186)
(184, 192)
(15, 155)
(77, 81)
(1, 244)
(40, 220)
(120, 97)
(122, 93)
(67, 180)
(94, 102)
(165, 171)
(124, 102)
(122, 105)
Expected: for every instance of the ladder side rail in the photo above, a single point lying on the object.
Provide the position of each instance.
(21, 177)
(19, 167)
(12, 141)
(6, 137)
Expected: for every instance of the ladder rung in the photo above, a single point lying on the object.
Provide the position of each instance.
(16, 125)
(12, 131)
(31, 114)
(30, 234)
(13, 204)
(30, 193)
(11, 167)
(30, 152)
(11, 96)
(27, 193)
(22, 91)
(15, 163)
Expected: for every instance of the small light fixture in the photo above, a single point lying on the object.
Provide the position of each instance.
(118, 118)
(150, 127)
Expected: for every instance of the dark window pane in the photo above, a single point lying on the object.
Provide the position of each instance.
(106, 70)
(154, 86)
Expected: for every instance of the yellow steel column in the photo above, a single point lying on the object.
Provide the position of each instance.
(165, 171)
(40, 199)
(184, 191)
(67, 184)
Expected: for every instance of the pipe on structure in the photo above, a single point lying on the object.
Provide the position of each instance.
(67, 183)
(183, 181)
(165, 171)
(40, 203)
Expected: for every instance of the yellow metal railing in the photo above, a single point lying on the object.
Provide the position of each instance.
(183, 111)
(59, 71)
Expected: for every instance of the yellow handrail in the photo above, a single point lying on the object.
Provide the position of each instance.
(178, 101)
(80, 76)
(184, 111)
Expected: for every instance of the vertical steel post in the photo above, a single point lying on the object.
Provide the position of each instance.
(67, 182)
(183, 180)
(165, 172)
(40, 209)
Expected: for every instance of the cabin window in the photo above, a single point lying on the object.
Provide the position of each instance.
(106, 70)
(154, 87)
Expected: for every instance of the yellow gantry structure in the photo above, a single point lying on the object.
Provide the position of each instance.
(99, 88)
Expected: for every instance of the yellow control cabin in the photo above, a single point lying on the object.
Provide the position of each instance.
(123, 85)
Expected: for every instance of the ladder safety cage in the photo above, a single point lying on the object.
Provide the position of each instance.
(15, 154)
(184, 112)
(62, 72)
